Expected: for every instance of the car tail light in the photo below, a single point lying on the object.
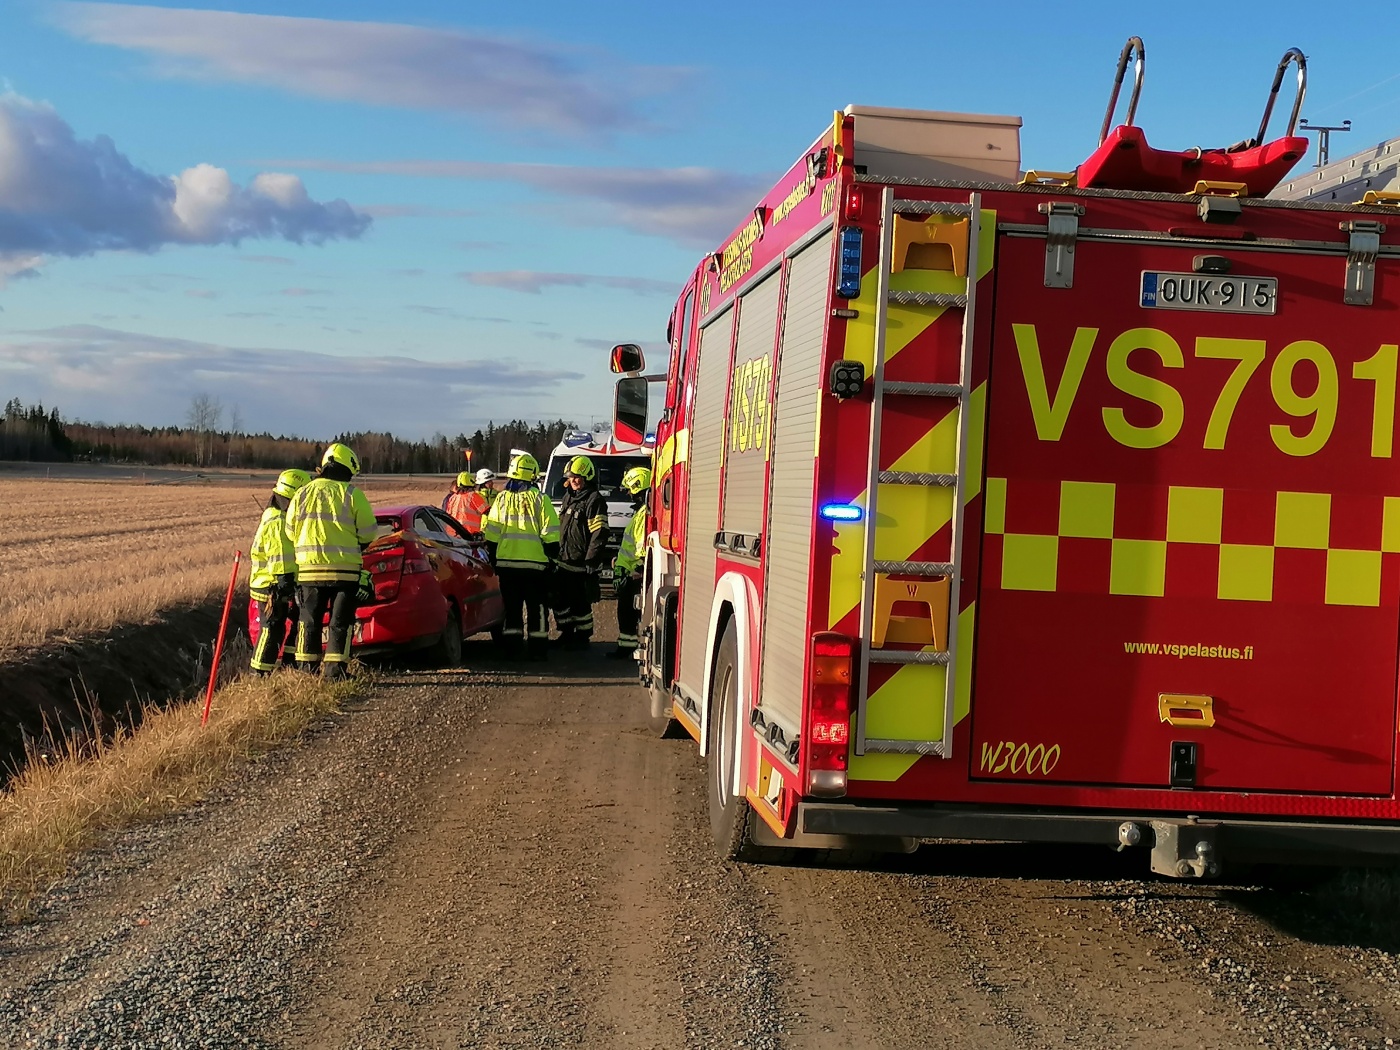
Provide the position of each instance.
(385, 568)
(414, 562)
(829, 718)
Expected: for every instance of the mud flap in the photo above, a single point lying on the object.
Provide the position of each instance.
(763, 835)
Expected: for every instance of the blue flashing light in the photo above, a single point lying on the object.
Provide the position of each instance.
(848, 286)
(841, 512)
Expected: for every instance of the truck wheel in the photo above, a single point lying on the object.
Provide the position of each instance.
(447, 652)
(729, 812)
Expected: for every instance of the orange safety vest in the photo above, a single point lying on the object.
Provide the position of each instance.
(467, 508)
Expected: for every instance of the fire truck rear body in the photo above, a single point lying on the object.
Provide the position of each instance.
(1131, 573)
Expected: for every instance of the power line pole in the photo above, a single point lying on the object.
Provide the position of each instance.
(1324, 137)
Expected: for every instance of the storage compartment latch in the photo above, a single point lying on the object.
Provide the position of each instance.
(1363, 244)
(1062, 229)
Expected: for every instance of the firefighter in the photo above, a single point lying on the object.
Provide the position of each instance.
(465, 504)
(486, 485)
(331, 523)
(583, 537)
(522, 538)
(627, 567)
(272, 582)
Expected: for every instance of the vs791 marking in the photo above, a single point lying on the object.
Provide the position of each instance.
(1302, 377)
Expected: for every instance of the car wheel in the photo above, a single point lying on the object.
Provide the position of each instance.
(730, 813)
(448, 650)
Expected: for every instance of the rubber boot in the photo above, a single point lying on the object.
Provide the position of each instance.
(537, 648)
(508, 648)
(621, 654)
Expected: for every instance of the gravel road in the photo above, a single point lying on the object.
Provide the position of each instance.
(496, 859)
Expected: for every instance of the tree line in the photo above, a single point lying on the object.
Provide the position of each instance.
(214, 437)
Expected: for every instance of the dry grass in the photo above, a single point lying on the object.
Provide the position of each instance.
(55, 809)
(80, 557)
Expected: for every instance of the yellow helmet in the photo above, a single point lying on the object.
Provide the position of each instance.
(342, 454)
(580, 467)
(637, 480)
(289, 481)
(464, 480)
(524, 467)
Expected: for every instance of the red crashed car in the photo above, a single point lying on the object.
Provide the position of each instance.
(432, 587)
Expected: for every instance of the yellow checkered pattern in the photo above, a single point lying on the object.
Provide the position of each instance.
(1139, 567)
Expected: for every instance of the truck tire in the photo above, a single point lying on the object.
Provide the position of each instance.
(730, 814)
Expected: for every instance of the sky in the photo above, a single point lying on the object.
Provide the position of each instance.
(418, 216)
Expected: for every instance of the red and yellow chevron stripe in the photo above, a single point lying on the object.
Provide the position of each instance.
(913, 523)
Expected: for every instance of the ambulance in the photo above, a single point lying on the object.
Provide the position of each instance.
(1004, 504)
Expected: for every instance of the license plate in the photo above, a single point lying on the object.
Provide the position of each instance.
(1210, 292)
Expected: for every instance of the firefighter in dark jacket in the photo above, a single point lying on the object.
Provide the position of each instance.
(583, 537)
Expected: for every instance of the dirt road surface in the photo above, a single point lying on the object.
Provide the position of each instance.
(506, 858)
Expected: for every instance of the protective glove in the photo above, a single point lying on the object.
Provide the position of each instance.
(365, 591)
(285, 589)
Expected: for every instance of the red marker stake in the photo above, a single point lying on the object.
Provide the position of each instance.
(219, 641)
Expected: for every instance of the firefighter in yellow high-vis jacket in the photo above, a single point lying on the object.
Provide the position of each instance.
(272, 580)
(522, 536)
(330, 522)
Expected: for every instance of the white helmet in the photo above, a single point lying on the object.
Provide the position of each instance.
(484, 475)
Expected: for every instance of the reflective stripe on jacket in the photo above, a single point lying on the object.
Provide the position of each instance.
(633, 542)
(583, 528)
(521, 523)
(467, 509)
(272, 553)
(329, 522)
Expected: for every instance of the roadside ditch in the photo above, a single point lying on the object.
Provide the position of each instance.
(71, 694)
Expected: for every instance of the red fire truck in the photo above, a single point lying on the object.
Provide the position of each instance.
(1003, 505)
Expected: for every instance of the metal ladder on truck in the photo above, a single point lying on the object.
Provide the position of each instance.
(916, 571)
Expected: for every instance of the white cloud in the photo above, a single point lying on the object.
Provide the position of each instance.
(60, 195)
(696, 206)
(96, 373)
(534, 282)
(519, 83)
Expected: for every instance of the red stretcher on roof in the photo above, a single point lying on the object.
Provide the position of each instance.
(1125, 161)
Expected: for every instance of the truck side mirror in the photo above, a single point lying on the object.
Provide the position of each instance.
(630, 409)
(627, 357)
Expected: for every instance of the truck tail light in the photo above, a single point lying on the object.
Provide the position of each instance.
(853, 205)
(829, 724)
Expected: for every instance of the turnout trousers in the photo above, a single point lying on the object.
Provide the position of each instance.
(628, 589)
(275, 615)
(573, 600)
(316, 598)
(525, 593)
